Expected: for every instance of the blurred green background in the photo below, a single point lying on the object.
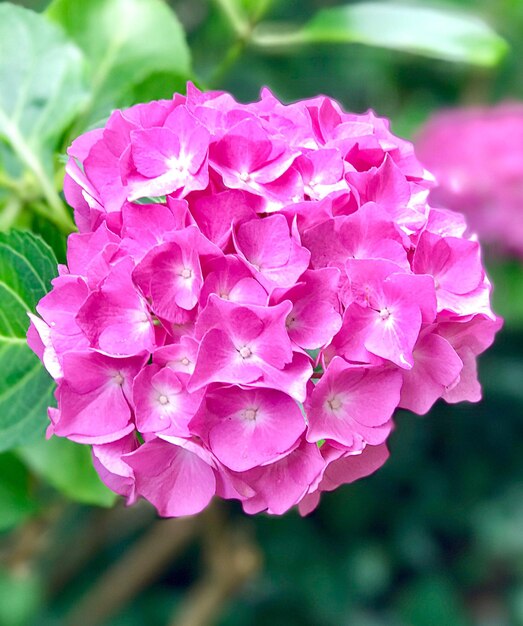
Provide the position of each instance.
(435, 537)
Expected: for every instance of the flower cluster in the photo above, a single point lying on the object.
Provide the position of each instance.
(476, 154)
(253, 290)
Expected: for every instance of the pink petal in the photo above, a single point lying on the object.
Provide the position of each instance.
(246, 428)
(174, 477)
(351, 404)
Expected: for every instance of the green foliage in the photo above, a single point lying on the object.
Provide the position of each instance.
(41, 74)
(430, 32)
(68, 467)
(436, 593)
(20, 595)
(15, 502)
(507, 278)
(125, 41)
(27, 266)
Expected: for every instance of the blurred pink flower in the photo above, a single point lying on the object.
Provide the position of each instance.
(476, 155)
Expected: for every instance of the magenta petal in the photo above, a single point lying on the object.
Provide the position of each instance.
(115, 317)
(351, 404)
(219, 361)
(314, 319)
(216, 215)
(112, 469)
(162, 402)
(292, 379)
(180, 357)
(436, 367)
(244, 428)
(274, 256)
(351, 467)
(152, 149)
(95, 384)
(231, 280)
(174, 477)
(256, 336)
(282, 484)
(454, 263)
(75, 418)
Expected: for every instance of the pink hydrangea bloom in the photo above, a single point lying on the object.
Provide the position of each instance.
(253, 291)
(476, 154)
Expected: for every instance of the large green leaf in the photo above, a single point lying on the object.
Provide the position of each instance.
(27, 266)
(41, 74)
(68, 467)
(439, 33)
(125, 41)
(15, 501)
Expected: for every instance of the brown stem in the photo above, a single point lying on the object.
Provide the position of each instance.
(137, 568)
(99, 528)
(230, 560)
(27, 543)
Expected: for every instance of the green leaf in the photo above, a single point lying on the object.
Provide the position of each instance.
(125, 41)
(155, 87)
(507, 296)
(431, 32)
(27, 266)
(20, 596)
(51, 235)
(68, 467)
(41, 74)
(15, 501)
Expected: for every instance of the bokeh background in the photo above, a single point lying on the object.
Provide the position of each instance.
(434, 538)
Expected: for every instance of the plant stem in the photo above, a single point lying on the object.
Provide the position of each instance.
(230, 559)
(63, 222)
(243, 27)
(231, 56)
(138, 567)
(237, 19)
(27, 156)
(10, 212)
(9, 183)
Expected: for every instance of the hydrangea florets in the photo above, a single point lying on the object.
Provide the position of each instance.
(476, 154)
(253, 290)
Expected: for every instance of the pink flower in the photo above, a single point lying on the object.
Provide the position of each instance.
(108, 459)
(271, 252)
(367, 234)
(249, 158)
(243, 427)
(314, 318)
(281, 485)
(437, 367)
(353, 405)
(95, 385)
(115, 317)
(177, 476)
(169, 158)
(385, 312)
(253, 291)
(476, 154)
(162, 402)
(171, 274)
